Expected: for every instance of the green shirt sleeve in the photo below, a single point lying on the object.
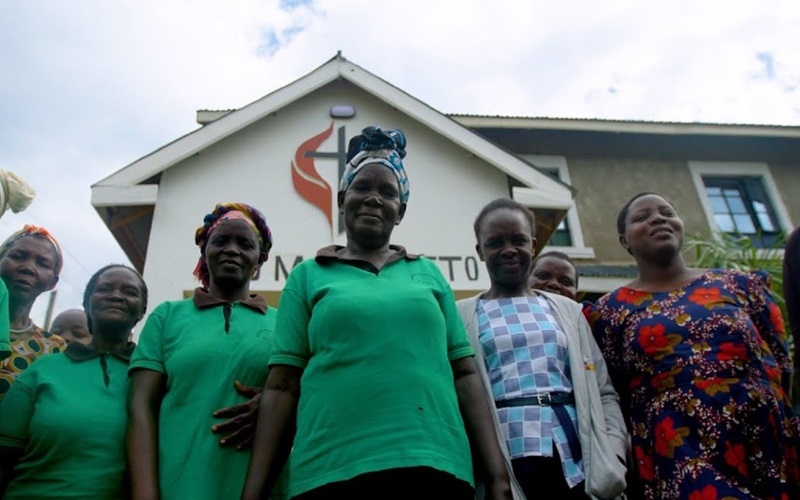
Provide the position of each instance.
(457, 344)
(16, 411)
(290, 344)
(149, 353)
(5, 323)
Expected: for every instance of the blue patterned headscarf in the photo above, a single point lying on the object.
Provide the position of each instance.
(374, 145)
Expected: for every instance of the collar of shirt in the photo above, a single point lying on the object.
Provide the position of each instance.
(79, 352)
(332, 253)
(204, 300)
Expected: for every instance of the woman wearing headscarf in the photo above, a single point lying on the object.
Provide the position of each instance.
(190, 354)
(15, 194)
(698, 355)
(62, 424)
(556, 413)
(555, 272)
(371, 364)
(30, 262)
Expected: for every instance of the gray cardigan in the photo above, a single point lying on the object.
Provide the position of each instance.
(601, 428)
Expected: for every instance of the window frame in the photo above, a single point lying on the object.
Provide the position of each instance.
(578, 249)
(738, 170)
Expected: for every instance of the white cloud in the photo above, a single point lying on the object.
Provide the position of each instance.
(87, 87)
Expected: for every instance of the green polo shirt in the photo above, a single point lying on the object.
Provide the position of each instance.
(377, 390)
(67, 411)
(5, 323)
(202, 345)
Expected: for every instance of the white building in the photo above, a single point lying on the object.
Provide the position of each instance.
(284, 153)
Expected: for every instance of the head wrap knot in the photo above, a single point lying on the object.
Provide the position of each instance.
(226, 211)
(15, 193)
(38, 232)
(384, 147)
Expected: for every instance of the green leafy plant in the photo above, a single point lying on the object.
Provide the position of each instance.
(738, 252)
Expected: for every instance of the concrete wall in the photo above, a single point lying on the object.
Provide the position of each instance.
(605, 185)
(787, 179)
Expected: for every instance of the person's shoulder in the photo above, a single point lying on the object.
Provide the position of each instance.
(473, 298)
(607, 304)
(794, 239)
(174, 305)
(51, 341)
(745, 282)
(44, 365)
(422, 262)
(565, 304)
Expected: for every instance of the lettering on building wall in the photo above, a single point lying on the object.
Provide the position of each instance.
(453, 267)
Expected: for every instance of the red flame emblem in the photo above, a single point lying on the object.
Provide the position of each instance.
(307, 181)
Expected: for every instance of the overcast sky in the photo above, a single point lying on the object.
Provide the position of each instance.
(87, 87)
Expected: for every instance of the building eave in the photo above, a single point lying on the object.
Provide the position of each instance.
(626, 126)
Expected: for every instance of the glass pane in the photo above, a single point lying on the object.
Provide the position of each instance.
(730, 193)
(714, 191)
(744, 224)
(562, 226)
(724, 223)
(718, 205)
(736, 204)
(766, 222)
(560, 239)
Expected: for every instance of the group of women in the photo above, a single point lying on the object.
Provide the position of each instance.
(377, 384)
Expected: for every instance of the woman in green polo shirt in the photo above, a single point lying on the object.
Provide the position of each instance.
(191, 353)
(371, 363)
(62, 423)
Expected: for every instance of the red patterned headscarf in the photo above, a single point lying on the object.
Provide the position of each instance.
(227, 211)
(37, 232)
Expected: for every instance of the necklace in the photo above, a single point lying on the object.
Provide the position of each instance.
(22, 330)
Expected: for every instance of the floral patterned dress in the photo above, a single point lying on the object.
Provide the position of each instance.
(701, 369)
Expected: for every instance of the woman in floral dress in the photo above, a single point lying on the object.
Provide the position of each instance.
(699, 356)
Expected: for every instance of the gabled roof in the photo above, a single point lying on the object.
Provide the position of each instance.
(122, 199)
(147, 167)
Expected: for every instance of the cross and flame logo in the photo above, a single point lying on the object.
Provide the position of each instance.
(308, 183)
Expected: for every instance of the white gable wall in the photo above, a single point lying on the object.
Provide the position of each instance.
(448, 187)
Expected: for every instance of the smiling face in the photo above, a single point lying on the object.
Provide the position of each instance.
(371, 206)
(117, 298)
(652, 228)
(28, 268)
(506, 245)
(552, 274)
(232, 254)
(72, 326)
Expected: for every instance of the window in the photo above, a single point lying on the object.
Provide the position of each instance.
(741, 199)
(567, 237)
(741, 206)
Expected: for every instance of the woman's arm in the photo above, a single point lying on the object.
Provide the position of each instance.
(480, 429)
(147, 389)
(275, 431)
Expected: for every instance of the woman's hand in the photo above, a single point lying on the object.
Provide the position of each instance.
(240, 427)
